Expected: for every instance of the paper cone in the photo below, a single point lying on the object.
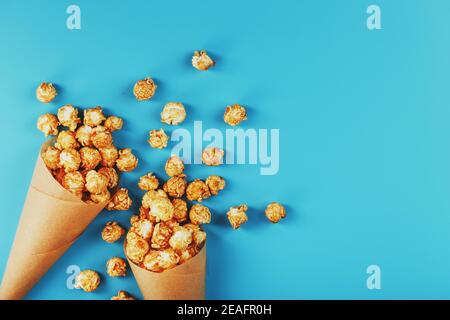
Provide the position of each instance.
(184, 282)
(52, 219)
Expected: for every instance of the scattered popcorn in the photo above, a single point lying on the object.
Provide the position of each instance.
(173, 113)
(120, 201)
(74, 182)
(152, 195)
(136, 247)
(46, 92)
(66, 140)
(174, 166)
(101, 137)
(161, 236)
(83, 135)
(201, 61)
(113, 123)
(162, 209)
(237, 216)
(94, 117)
(111, 174)
(126, 161)
(158, 261)
(109, 156)
(144, 89)
(48, 124)
(90, 158)
(175, 186)
(68, 117)
(199, 214)
(51, 157)
(215, 184)
(96, 183)
(181, 238)
(101, 197)
(88, 280)
(122, 295)
(234, 114)
(197, 190)
(116, 267)
(112, 232)
(158, 139)
(70, 160)
(148, 182)
(142, 227)
(212, 156)
(179, 210)
(275, 212)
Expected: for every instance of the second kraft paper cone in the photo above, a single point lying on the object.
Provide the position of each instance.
(52, 219)
(184, 282)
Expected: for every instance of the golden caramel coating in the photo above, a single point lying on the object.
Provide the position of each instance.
(142, 227)
(120, 201)
(158, 139)
(197, 190)
(152, 195)
(174, 166)
(109, 156)
(111, 174)
(70, 160)
(181, 238)
(148, 182)
(101, 137)
(144, 89)
(127, 161)
(234, 114)
(59, 174)
(95, 182)
(212, 156)
(198, 235)
(136, 247)
(94, 117)
(173, 113)
(160, 260)
(68, 117)
(74, 182)
(162, 209)
(46, 92)
(179, 210)
(187, 254)
(237, 216)
(161, 235)
(199, 214)
(48, 124)
(275, 212)
(215, 184)
(88, 280)
(176, 186)
(90, 158)
(201, 61)
(66, 140)
(51, 157)
(112, 232)
(113, 123)
(83, 135)
(116, 267)
(101, 197)
(122, 295)
(144, 213)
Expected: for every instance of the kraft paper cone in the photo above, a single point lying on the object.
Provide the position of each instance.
(184, 282)
(52, 219)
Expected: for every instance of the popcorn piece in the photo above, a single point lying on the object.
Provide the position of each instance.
(46, 92)
(212, 156)
(74, 182)
(116, 267)
(136, 247)
(275, 212)
(158, 261)
(113, 123)
(175, 186)
(144, 213)
(122, 295)
(161, 235)
(174, 166)
(83, 135)
(173, 113)
(197, 190)
(101, 137)
(94, 117)
(158, 139)
(90, 158)
(70, 160)
(215, 184)
(143, 227)
(144, 89)
(179, 210)
(66, 140)
(109, 156)
(96, 183)
(148, 182)
(68, 117)
(88, 280)
(51, 157)
(198, 235)
(101, 197)
(234, 114)
(112, 232)
(111, 174)
(199, 214)
(162, 209)
(201, 61)
(181, 238)
(126, 161)
(48, 124)
(237, 216)
(151, 196)
(187, 254)
(120, 201)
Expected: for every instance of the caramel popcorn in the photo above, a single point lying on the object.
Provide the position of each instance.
(212, 156)
(59, 174)
(142, 227)
(126, 161)
(152, 195)
(161, 235)
(48, 124)
(70, 160)
(101, 137)
(88, 280)
(162, 209)
(109, 156)
(136, 247)
(66, 140)
(83, 135)
(120, 201)
(51, 157)
(197, 190)
(174, 166)
(96, 183)
(158, 139)
(237, 216)
(122, 295)
(111, 174)
(215, 184)
(275, 212)
(101, 197)
(46, 92)
(94, 117)
(74, 182)
(175, 186)
(68, 117)
(201, 61)
(90, 158)
(112, 232)
(158, 261)
(116, 267)
(113, 123)
(179, 210)
(234, 114)
(181, 238)
(173, 113)
(187, 254)
(144, 89)
(148, 182)
(199, 214)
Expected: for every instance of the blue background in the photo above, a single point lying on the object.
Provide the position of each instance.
(363, 118)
